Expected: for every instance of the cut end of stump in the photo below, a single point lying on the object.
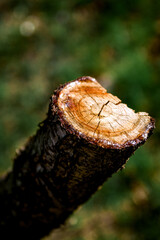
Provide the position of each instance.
(87, 110)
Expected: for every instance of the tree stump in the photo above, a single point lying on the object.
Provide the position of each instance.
(87, 136)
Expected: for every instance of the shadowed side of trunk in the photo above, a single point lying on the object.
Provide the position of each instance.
(64, 164)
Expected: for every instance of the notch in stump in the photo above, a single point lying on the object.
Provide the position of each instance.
(87, 136)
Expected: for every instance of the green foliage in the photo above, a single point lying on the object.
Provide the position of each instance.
(45, 43)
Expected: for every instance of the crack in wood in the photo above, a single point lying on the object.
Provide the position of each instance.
(103, 107)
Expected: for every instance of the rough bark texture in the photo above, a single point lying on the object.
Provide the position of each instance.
(58, 170)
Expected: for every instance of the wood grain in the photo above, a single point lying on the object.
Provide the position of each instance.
(97, 115)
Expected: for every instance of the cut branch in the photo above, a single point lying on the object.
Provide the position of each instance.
(87, 136)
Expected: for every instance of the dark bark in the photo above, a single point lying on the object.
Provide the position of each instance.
(55, 173)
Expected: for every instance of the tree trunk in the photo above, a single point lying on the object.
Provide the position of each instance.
(87, 136)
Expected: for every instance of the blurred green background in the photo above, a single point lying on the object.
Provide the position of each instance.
(44, 43)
